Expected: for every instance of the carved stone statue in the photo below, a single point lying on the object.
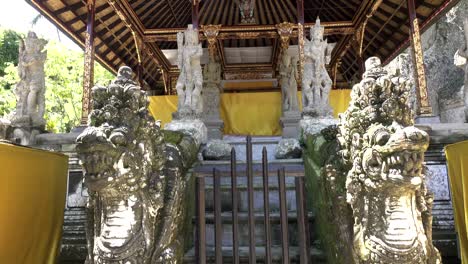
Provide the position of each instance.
(247, 8)
(212, 88)
(288, 74)
(463, 52)
(30, 91)
(190, 82)
(136, 182)
(316, 83)
(383, 154)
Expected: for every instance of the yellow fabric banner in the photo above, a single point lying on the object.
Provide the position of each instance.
(33, 185)
(457, 162)
(247, 113)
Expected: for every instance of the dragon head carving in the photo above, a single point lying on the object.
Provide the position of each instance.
(122, 147)
(383, 154)
(124, 156)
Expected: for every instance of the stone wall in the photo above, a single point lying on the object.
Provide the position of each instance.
(445, 80)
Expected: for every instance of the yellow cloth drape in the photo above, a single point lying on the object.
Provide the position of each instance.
(457, 161)
(32, 200)
(247, 113)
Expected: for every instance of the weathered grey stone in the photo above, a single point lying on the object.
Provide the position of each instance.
(290, 124)
(52, 138)
(27, 121)
(217, 150)
(288, 75)
(4, 125)
(193, 127)
(190, 82)
(30, 91)
(136, 181)
(288, 149)
(313, 125)
(215, 127)
(385, 187)
(440, 42)
(316, 83)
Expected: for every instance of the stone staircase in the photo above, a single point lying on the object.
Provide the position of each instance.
(73, 249)
(294, 168)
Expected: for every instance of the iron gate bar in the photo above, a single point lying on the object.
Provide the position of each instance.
(235, 208)
(217, 217)
(283, 216)
(301, 220)
(252, 257)
(200, 242)
(266, 206)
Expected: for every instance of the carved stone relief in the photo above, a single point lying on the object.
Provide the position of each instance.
(288, 75)
(190, 82)
(27, 120)
(135, 181)
(316, 83)
(212, 89)
(247, 8)
(386, 182)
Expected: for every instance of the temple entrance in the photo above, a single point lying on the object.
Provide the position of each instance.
(250, 210)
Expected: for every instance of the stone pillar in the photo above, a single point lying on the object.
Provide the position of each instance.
(424, 111)
(288, 74)
(212, 88)
(88, 75)
(189, 86)
(300, 35)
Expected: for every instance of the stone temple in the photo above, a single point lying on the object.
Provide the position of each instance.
(260, 131)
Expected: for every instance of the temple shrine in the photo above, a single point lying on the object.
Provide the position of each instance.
(248, 131)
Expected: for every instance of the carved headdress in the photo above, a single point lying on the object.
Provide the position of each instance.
(316, 32)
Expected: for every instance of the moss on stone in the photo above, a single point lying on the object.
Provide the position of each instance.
(173, 137)
(318, 151)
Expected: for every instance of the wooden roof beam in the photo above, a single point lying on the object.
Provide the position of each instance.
(125, 11)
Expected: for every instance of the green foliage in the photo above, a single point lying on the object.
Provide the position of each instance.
(7, 96)
(64, 86)
(9, 46)
(64, 89)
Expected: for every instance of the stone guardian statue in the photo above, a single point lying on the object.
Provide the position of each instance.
(288, 74)
(137, 182)
(212, 90)
(28, 118)
(316, 83)
(382, 157)
(190, 82)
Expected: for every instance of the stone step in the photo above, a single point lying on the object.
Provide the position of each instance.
(290, 165)
(226, 203)
(78, 227)
(73, 240)
(226, 217)
(259, 228)
(316, 255)
(74, 233)
(74, 217)
(75, 211)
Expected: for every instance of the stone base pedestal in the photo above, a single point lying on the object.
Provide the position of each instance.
(4, 126)
(290, 124)
(313, 125)
(25, 136)
(193, 127)
(427, 120)
(215, 127)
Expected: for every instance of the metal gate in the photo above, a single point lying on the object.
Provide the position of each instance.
(302, 222)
